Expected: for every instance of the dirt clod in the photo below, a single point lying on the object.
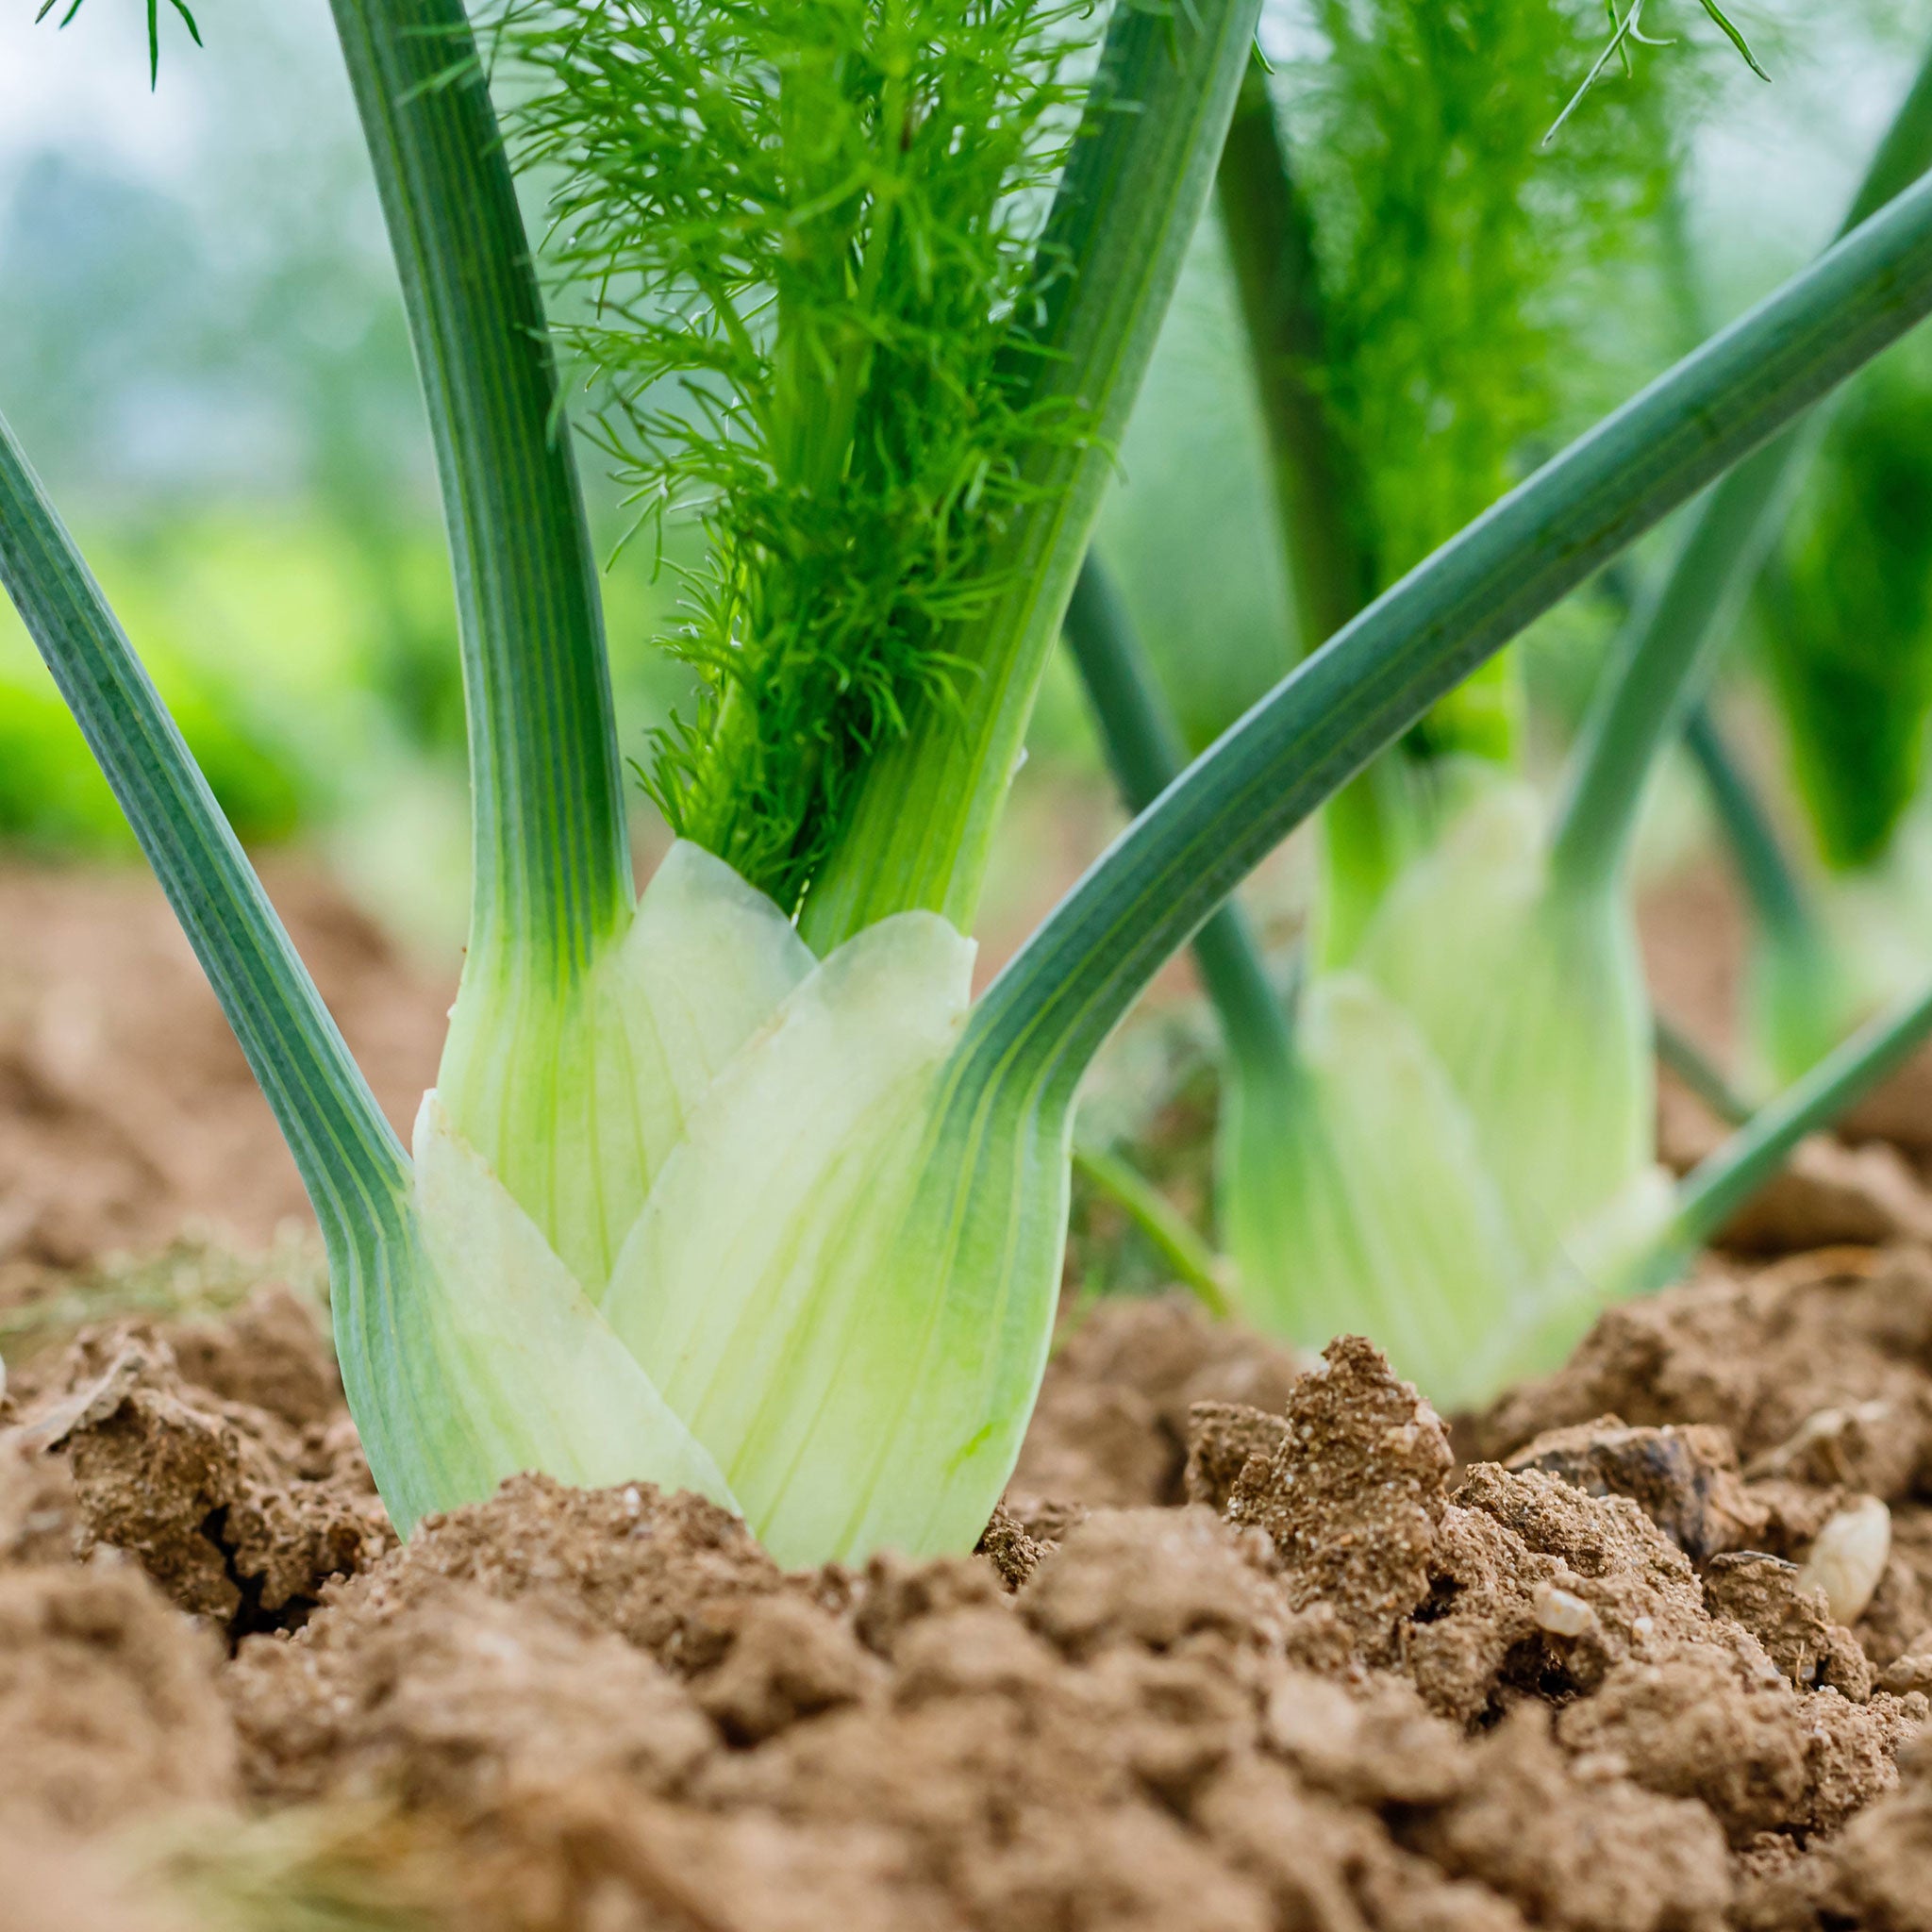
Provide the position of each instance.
(1153, 1577)
(1513, 1548)
(1828, 1193)
(1816, 1368)
(665, 1574)
(239, 1512)
(1771, 1599)
(1011, 1547)
(1598, 1854)
(1351, 1495)
(1685, 1480)
(452, 1697)
(1222, 1436)
(789, 1660)
(1874, 1877)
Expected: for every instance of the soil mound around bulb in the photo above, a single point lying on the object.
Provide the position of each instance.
(1247, 1646)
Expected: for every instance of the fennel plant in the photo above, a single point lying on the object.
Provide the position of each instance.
(739, 1192)
(1448, 1139)
(1803, 995)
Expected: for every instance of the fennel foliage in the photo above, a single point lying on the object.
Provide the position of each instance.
(806, 242)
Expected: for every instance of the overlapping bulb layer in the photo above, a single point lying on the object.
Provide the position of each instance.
(704, 1220)
(1461, 1154)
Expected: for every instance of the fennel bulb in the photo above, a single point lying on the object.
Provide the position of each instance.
(698, 1225)
(1458, 1155)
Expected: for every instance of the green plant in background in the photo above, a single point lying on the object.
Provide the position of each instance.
(1847, 616)
(53, 799)
(1449, 1141)
(1843, 583)
(1414, 269)
(1842, 617)
(705, 1195)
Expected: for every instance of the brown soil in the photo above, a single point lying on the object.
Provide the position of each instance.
(1246, 1648)
(1253, 1642)
(125, 1105)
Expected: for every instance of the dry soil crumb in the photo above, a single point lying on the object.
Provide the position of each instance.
(1817, 1368)
(1685, 1480)
(1352, 1493)
(1769, 1597)
(1596, 1854)
(456, 1698)
(1875, 1875)
(666, 1574)
(241, 1508)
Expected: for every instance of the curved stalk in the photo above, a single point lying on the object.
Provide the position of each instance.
(552, 875)
(1060, 997)
(1145, 749)
(1641, 702)
(349, 1160)
(1128, 205)
(1717, 1188)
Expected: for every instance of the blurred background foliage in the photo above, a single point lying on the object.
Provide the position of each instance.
(200, 342)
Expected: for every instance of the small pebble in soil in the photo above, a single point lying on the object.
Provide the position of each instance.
(1849, 1558)
(1560, 1613)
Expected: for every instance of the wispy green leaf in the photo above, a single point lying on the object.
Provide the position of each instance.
(1626, 30)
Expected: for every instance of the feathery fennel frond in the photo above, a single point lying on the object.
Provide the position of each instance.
(1626, 30)
(1451, 248)
(806, 236)
(1455, 260)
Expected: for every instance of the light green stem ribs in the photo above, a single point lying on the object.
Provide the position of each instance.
(792, 1318)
